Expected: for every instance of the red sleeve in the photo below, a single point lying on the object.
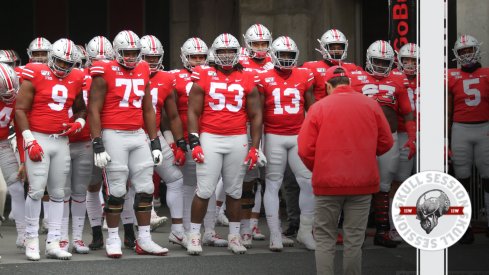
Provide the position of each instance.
(254, 80)
(309, 79)
(384, 137)
(29, 72)
(404, 103)
(307, 138)
(20, 144)
(98, 68)
(196, 74)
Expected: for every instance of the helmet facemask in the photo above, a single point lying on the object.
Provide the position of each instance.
(285, 60)
(191, 61)
(60, 67)
(468, 55)
(379, 66)
(259, 49)
(408, 65)
(226, 57)
(154, 61)
(129, 58)
(39, 56)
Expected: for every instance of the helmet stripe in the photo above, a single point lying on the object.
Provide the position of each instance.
(68, 50)
(39, 39)
(335, 35)
(8, 81)
(412, 49)
(197, 44)
(153, 43)
(131, 39)
(382, 48)
(287, 42)
(226, 39)
(100, 45)
(260, 31)
(7, 53)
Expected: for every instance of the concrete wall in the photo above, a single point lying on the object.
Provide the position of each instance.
(304, 21)
(473, 19)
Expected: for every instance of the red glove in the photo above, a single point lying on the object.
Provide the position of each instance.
(33, 148)
(411, 143)
(35, 151)
(198, 154)
(73, 128)
(179, 157)
(252, 158)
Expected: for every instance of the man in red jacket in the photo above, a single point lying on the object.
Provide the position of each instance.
(345, 130)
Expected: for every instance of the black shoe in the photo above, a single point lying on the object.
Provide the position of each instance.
(468, 237)
(383, 239)
(291, 231)
(98, 238)
(129, 238)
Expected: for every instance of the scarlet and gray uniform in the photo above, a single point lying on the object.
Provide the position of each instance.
(406, 165)
(162, 84)
(389, 92)
(223, 129)
(53, 98)
(121, 119)
(282, 117)
(470, 128)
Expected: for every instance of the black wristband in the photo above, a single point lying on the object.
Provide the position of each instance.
(98, 145)
(182, 144)
(193, 141)
(155, 144)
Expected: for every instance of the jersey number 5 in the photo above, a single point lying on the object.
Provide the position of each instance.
(221, 104)
(132, 85)
(472, 92)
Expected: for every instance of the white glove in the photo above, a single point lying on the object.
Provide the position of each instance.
(157, 157)
(262, 160)
(101, 159)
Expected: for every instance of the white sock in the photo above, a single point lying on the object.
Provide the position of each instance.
(66, 219)
(174, 198)
(45, 208)
(306, 197)
(113, 233)
(188, 195)
(253, 223)
(143, 232)
(195, 227)
(32, 212)
(210, 217)
(16, 191)
(234, 228)
(93, 209)
(177, 227)
(78, 209)
(245, 226)
(101, 199)
(271, 202)
(55, 217)
(257, 207)
(218, 210)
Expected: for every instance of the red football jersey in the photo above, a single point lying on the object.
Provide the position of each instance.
(7, 112)
(389, 91)
(248, 62)
(284, 100)
(18, 71)
(84, 134)
(161, 84)
(412, 93)
(224, 111)
(183, 84)
(318, 69)
(53, 97)
(470, 93)
(123, 106)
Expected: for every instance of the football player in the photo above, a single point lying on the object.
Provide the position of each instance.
(38, 50)
(221, 99)
(194, 52)
(119, 102)
(388, 88)
(162, 85)
(46, 94)
(287, 93)
(468, 117)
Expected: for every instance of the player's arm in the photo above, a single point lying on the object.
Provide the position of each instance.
(195, 107)
(149, 115)
(309, 98)
(410, 123)
(96, 100)
(255, 114)
(176, 128)
(79, 107)
(23, 105)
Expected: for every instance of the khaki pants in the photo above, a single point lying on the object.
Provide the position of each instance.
(327, 213)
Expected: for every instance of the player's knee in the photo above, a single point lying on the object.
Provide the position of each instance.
(57, 194)
(204, 194)
(78, 198)
(114, 204)
(175, 186)
(277, 177)
(143, 202)
(172, 174)
(248, 195)
(385, 186)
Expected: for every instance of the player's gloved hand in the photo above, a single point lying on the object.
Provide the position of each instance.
(101, 157)
(197, 152)
(34, 150)
(262, 160)
(411, 143)
(179, 153)
(252, 158)
(156, 151)
(74, 127)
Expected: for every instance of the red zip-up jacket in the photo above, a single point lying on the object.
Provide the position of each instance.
(339, 141)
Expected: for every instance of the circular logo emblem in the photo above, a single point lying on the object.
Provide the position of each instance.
(431, 210)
